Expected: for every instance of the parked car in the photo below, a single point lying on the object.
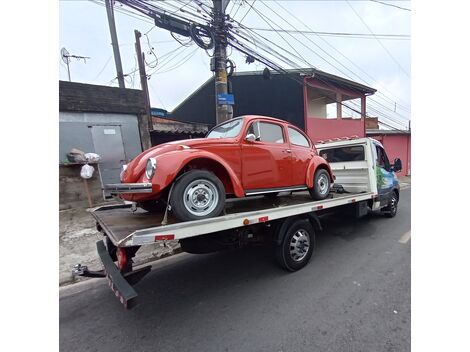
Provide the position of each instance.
(249, 155)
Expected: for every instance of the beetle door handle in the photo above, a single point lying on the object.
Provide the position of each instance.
(287, 150)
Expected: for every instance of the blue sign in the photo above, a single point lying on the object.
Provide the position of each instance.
(225, 99)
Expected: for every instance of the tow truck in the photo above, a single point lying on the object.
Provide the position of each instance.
(365, 181)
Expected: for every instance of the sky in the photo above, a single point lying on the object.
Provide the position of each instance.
(383, 64)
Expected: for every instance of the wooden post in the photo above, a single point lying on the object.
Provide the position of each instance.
(88, 195)
(145, 125)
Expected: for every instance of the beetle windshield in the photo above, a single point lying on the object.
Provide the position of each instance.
(229, 129)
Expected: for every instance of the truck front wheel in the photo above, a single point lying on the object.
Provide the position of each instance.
(392, 207)
(297, 245)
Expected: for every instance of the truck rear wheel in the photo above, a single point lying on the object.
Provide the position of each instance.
(198, 194)
(297, 245)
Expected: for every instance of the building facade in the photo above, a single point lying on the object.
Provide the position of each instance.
(101, 120)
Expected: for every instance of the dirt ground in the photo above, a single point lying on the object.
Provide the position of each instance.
(77, 244)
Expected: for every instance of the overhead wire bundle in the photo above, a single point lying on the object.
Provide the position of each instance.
(279, 58)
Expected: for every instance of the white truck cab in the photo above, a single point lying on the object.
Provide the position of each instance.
(361, 165)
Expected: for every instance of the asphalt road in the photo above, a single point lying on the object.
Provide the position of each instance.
(354, 295)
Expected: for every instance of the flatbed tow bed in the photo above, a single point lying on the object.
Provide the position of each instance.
(124, 226)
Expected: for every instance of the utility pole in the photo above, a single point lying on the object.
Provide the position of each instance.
(114, 43)
(223, 111)
(145, 121)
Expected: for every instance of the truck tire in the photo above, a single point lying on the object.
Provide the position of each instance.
(198, 194)
(392, 207)
(297, 245)
(321, 185)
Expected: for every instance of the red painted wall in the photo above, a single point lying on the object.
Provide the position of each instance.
(321, 129)
(398, 146)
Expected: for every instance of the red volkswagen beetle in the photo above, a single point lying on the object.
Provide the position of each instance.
(248, 155)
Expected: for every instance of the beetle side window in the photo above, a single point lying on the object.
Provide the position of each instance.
(271, 133)
(254, 129)
(298, 138)
(266, 132)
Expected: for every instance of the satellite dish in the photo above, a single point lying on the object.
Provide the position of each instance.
(65, 55)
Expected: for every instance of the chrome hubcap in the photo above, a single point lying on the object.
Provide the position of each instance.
(393, 205)
(323, 184)
(299, 245)
(200, 197)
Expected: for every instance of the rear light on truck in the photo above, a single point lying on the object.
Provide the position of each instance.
(122, 257)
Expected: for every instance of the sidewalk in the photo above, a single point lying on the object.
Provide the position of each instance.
(77, 244)
(405, 181)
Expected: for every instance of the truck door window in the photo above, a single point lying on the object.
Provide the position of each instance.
(382, 159)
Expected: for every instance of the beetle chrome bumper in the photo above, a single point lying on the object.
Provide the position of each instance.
(117, 188)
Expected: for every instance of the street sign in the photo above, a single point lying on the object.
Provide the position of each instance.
(225, 99)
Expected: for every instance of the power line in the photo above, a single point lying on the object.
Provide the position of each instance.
(384, 3)
(248, 10)
(279, 69)
(180, 63)
(346, 58)
(341, 34)
(332, 57)
(381, 44)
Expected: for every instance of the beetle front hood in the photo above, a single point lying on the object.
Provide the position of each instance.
(136, 167)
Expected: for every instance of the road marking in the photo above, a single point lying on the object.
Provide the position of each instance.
(405, 237)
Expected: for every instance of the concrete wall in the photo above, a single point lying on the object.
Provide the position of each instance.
(72, 191)
(321, 129)
(74, 132)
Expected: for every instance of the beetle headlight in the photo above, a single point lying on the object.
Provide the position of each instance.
(150, 168)
(124, 168)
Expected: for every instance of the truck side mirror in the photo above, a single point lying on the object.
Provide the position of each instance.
(397, 165)
(250, 137)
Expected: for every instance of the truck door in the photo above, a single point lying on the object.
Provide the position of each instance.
(386, 179)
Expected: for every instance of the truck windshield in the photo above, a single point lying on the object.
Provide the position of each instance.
(229, 129)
